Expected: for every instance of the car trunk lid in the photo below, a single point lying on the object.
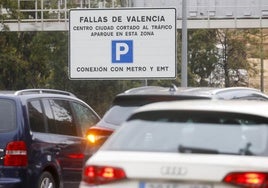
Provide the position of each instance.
(177, 166)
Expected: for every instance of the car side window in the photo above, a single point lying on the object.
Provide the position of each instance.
(60, 117)
(36, 117)
(85, 117)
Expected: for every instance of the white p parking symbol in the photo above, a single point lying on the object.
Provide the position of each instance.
(122, 51)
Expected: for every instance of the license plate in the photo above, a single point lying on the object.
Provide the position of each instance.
(173, 185)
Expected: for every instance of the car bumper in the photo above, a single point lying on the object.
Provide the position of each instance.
(14, 177)
(11, 183)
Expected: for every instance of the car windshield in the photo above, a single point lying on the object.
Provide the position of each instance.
(193, 132)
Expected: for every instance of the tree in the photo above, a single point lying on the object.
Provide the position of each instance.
(233, 64)
(13, 61)
(202, 55)
(258, 51)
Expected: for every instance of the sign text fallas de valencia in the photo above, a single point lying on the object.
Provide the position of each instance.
(97, 19)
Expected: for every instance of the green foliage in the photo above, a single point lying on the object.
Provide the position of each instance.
(233, 56)
(13, 65)
(202, 55)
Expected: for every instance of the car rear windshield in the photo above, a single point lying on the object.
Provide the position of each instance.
(193, 132)
(7, 115)
(140, 100)
(125, 105)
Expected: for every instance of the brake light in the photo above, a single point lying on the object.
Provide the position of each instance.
(248, 179)
(76, 156)
(98, 135)
(96, 175)
(16, 154)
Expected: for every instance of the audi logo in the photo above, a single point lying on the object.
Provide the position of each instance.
(173, 170)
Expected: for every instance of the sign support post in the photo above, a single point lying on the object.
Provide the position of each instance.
(184, 69)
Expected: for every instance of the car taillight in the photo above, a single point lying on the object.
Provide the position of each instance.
(97, 135)
(76, 155)
(16, 154)
(248, 179)
(96, 175)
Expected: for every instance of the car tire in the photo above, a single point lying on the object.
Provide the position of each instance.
(46, 180)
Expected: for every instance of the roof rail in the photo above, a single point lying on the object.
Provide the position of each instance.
(40, 91)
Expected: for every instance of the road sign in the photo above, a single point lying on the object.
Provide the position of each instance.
(137, 43)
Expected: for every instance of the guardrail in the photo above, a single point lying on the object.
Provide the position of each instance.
(49, 15)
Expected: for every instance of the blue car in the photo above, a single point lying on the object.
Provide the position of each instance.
(42, 138)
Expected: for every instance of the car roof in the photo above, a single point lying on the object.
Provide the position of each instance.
(206, 92)
(259, 108)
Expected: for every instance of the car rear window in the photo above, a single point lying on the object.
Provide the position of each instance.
(117, 114)
(140, 100)
(125, 105)
(193, 132)
(7, 115)
(200, 117)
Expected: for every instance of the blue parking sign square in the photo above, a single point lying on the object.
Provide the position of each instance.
(122, 51)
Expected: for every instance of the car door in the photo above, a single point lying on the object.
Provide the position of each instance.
(68, 145)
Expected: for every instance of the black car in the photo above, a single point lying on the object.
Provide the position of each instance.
(42, 138)
(125, 103)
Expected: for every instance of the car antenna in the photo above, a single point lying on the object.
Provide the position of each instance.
(173, 88)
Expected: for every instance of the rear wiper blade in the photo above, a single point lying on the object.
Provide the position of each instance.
(186, 149)
(246, 150)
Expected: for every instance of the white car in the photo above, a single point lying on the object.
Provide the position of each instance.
(185, 144)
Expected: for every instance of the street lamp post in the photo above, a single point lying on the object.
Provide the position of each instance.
(184, 70)
(262, 57)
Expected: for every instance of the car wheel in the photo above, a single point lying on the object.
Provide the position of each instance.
(46, 180)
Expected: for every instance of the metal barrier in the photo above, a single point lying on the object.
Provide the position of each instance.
(52, 15)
